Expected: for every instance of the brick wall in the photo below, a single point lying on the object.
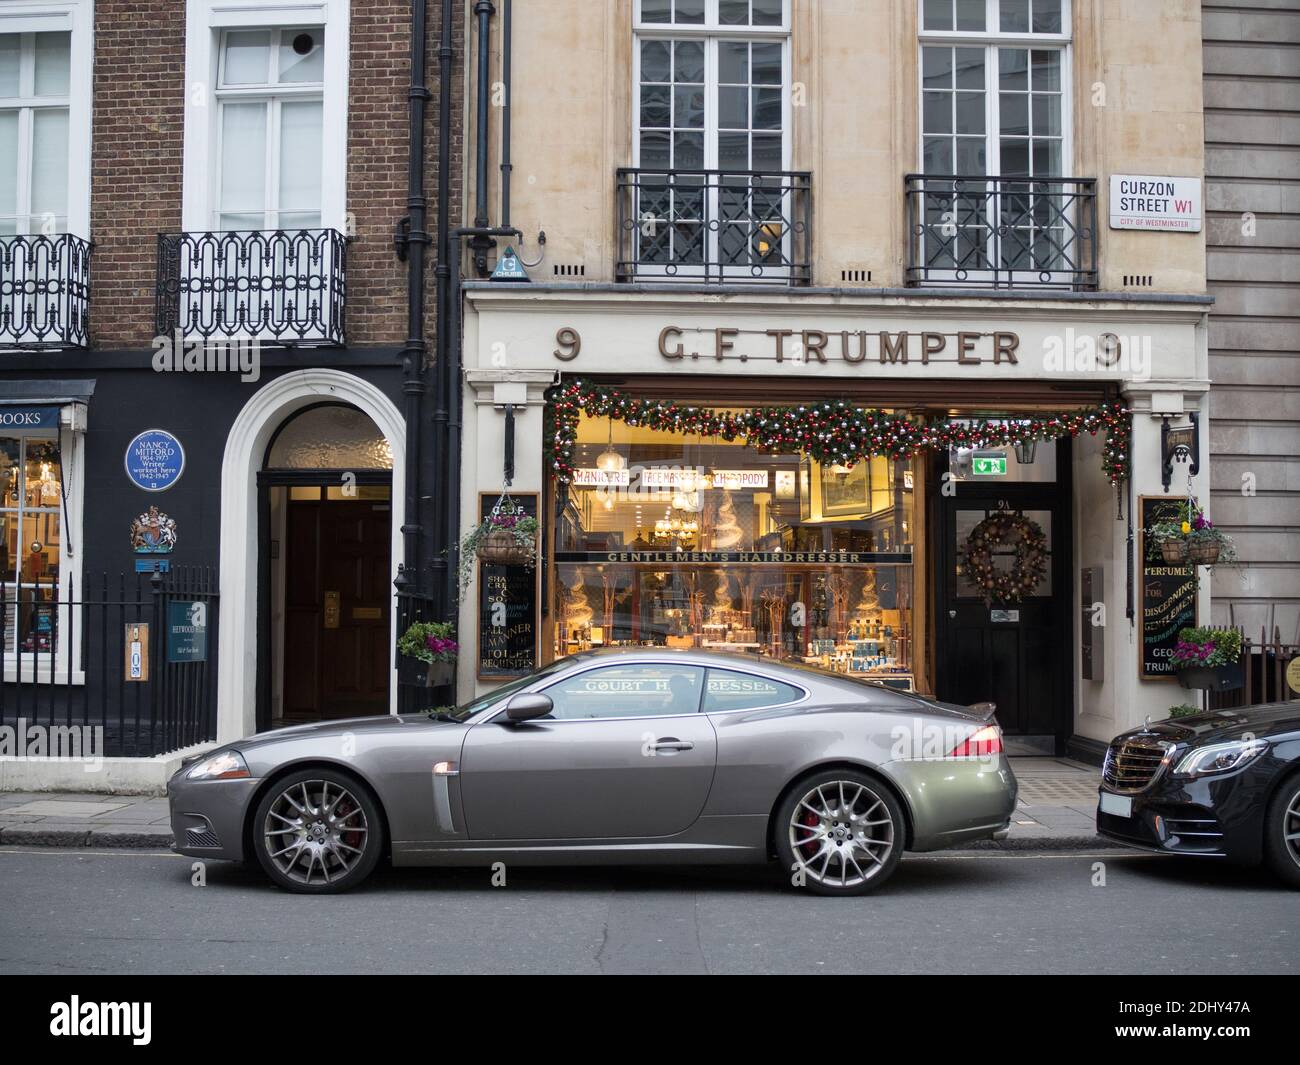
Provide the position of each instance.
(137, 160)
(135, 191)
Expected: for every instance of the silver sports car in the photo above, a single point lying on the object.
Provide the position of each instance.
(614, 757)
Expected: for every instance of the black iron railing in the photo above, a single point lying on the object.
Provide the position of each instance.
(714, 226)
(44, 291)
(274, 285)
(68, 662)
(1002, 232)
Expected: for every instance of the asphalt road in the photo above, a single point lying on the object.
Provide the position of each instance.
(137, 912)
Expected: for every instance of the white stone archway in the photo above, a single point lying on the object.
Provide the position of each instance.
(245, 449)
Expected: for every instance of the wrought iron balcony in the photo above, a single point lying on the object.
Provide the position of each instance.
(714, 226)
(278, 286)
(1002, 232)
(44, 291)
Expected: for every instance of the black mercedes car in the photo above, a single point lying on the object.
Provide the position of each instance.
(1224, 784)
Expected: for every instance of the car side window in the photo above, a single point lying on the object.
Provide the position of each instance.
(645, 690)
(729, 690)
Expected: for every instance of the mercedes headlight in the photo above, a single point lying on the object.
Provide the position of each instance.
(1219, 758)
(225, 765)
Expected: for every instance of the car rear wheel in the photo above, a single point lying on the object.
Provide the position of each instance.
(1282, 831)
(839, 832)
(318, 831)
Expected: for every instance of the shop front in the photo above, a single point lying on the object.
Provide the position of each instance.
(912, 491)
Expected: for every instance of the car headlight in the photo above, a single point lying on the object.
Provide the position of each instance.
(1219, 758)
(225, 765)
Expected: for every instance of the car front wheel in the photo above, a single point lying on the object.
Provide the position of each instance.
(318, 831)
(839, 832)
(1282, 831)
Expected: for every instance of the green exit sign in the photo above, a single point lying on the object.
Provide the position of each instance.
(993, 464)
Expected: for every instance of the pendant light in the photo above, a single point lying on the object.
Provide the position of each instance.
(610, 460)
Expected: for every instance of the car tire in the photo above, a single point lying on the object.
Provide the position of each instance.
(318, 831)
(839, 832)
(1282, 820)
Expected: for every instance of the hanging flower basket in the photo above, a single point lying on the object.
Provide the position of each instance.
(506, 537)
(505, 549)
(1213, 678)
(1189, 536)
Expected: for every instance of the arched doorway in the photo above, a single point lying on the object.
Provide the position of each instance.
(324, 587)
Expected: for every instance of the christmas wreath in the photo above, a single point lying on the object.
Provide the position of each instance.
(1001, 529)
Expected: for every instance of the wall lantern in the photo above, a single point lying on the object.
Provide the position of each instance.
(1025, 451)
(1181, 443)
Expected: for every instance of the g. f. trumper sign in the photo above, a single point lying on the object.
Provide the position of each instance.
(852, 346)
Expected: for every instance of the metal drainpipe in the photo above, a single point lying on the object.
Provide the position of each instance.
(506, 166)
(480, 245)
(415, 241)
(445, 344)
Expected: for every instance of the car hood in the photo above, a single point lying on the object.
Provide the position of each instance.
(1217, 726)
(353, 725)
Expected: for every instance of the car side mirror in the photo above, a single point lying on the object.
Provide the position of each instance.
(528, 705)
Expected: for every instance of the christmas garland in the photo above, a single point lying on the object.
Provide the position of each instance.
(997, 530)
(832, 432)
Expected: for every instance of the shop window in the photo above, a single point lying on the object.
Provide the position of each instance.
(643, 690)
(726, 689)
(270, 104)
(31, 539)
(665, 540)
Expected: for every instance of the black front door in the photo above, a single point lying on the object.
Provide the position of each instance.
(1016, 654)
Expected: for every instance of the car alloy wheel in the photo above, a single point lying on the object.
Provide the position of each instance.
(317, 832)
(842, 833)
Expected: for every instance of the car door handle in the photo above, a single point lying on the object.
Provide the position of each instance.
(671, 745)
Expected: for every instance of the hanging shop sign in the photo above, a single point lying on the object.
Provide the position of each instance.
(29, 417)
(507, 608)
(1139, 201)
(736, 480)
(591, 477)
(153, 533)
(155, 460)
(187, 631)
(1167, 594)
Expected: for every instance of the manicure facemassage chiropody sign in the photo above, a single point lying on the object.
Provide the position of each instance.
(155, 460)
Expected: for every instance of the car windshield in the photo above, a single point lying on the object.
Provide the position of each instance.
(467, 710)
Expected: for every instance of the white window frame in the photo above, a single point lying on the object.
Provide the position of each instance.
(711, 32)
(991, 40)
(77, 18)
(65, 665)
(206, 23)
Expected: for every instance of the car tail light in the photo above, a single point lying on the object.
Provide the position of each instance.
(983, 741)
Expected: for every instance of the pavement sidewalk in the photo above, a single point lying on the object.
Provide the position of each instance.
(1055, 812)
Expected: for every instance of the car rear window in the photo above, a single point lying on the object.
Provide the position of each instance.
(728, 689)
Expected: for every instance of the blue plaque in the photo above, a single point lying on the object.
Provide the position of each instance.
(155, 460)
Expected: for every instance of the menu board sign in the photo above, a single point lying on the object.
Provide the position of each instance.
(507, 609)
(1167, 594)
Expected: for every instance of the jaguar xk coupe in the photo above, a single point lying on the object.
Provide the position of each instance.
(614, 757)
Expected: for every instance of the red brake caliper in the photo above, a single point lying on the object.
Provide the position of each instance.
(353, 838)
